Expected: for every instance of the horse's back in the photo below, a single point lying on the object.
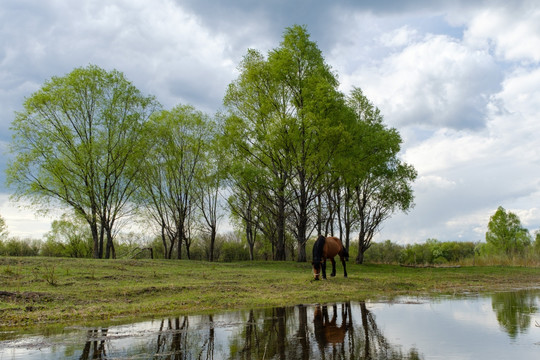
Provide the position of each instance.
(333, 246)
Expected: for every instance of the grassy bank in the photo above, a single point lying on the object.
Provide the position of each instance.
(51, 290)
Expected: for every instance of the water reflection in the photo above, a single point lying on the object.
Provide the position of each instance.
(514, 310)
(461, 329)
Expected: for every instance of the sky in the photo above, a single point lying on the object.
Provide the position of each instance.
(460, 81)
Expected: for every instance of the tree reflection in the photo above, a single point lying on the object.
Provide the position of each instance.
(301, 332)
(329, 333)
(94, 348)
(514, 310)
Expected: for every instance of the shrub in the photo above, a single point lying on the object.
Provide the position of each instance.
(20, 247)
(232, 251)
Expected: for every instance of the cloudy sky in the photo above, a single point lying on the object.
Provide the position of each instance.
(460, 80)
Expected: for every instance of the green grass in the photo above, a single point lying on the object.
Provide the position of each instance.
(38, 291)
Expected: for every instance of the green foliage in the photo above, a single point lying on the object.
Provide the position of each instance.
(233, 251)
(68, 237)
(384, 253)
(436, 252)
(20, 247)
(505, 234)
(179, 142)
(77, 143)
(3, 229)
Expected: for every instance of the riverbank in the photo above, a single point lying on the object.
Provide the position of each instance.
(39, 291)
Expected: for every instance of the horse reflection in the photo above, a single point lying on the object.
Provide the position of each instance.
(327, 331)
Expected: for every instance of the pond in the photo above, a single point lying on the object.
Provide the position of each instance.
(498, 326)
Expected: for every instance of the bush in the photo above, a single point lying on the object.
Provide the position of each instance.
(384, 253)
(232, 251)
(20, 247)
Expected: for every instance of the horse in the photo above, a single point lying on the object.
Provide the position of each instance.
(327, 332)
(327, 248)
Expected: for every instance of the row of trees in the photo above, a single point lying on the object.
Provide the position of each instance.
(506, 242)
(291, 154)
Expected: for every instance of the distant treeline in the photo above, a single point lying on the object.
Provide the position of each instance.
(230, 247)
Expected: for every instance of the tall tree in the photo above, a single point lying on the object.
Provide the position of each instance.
(173, 162)
(505, 233)
(209, 183)
(255, 131)
(380, 183)
(286, 119)
(314, 114)
(77, 144)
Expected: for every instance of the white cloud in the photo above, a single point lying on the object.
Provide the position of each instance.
(399, 37)
(513, 30)
(435, 82)
(23, 222)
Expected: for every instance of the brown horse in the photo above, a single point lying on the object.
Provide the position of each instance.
(327, 248)
(327, 332)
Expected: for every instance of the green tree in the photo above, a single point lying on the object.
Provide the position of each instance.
(505, 233)
(174, 160)
(68, 236)
(209, 183)
(286, 117)
(380, 183)
(77, 144)
(254, 132)
(3, 229)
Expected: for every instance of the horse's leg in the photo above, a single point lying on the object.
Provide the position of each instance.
(344, 267)
(333, 267)
(323, 267)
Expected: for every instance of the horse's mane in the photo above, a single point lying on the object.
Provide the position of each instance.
(318, 248)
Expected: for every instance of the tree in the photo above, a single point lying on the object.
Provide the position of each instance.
(285, 119)
(314, 113)
(244, 205)
(254, 133)
(209, 183)
(77, 144)
(505, 233)
(174, 159)
(72, 234)
(379, 182)
(3, 229)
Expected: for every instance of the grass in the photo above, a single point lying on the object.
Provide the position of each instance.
(39, 291)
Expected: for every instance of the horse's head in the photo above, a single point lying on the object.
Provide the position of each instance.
(316, 269)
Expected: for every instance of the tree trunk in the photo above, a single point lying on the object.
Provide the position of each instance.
(101, 236)
(280, 243)
(95, 238)
(164, 240)
(212, 242)
(360, 257)
(109, 251)
(301, 240)
(179, 237)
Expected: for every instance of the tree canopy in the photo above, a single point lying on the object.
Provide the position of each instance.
(505, 233)
(293, 154)
(77, 144)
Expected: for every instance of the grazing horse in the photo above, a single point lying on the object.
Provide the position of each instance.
(327, 248)
(327, 332)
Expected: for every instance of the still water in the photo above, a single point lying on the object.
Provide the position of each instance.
(499, 326)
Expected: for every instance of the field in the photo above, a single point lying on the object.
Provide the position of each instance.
(45, 291)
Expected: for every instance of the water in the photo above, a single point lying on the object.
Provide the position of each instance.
(499, 326)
